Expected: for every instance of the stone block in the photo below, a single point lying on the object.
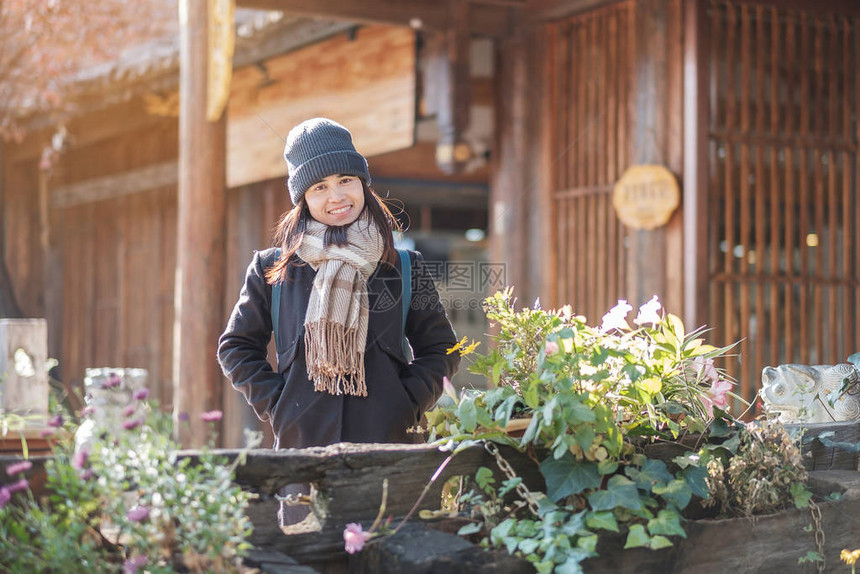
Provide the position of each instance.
(273, 562)
(417, 549)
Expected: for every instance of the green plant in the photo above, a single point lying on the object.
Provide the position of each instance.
(596, 399)
(127, 502)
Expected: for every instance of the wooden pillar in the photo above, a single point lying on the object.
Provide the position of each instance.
(509, 181)
(655, 257)
(50, 238)
(695, 181)
(197, 378)
(538, 257)
(447, 86)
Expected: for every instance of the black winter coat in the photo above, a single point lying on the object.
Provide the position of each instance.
(398, 393)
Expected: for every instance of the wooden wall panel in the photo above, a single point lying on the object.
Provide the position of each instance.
(366, 83)
(784, 195)
(119, 264)
(253, 211)
(21, 241)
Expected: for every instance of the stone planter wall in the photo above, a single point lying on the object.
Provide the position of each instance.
(348, 479)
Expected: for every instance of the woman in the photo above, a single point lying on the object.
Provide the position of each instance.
(342, 373)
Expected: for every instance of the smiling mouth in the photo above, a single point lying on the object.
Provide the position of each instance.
(340, 210)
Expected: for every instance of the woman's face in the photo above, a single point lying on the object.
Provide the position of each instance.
(336, 200)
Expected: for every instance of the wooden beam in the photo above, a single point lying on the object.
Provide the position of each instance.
(199, 319)
(485, 19)
(88, 129)
(112, 186)
(415, 192)
(695, 175)
(286, 39)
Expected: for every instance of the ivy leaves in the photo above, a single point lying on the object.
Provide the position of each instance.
(567, 476)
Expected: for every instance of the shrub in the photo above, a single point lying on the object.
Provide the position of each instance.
(125, 504)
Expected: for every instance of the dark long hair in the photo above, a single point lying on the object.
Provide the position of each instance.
(290, 229)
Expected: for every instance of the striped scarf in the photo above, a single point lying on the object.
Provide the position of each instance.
(337, 315)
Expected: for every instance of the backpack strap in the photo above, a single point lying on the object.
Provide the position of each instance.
(276, 305)
(406, 296)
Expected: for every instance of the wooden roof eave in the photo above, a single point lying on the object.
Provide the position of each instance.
(118, 84)
(491, 18)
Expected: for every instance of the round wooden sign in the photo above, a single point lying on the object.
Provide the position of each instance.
(646, 196)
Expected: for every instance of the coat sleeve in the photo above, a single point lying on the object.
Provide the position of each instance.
(430, 335)
(242, 347)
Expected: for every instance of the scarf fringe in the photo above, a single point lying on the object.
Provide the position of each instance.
(335, 358)
(337, 316)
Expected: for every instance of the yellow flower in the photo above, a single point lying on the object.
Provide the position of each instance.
(850, 557)
(470, 348)
(459, 347)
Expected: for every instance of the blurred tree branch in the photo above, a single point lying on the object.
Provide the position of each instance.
(44, 44)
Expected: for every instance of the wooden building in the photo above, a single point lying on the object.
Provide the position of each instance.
(752, 105)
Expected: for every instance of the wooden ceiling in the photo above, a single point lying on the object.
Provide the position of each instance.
(494, 18)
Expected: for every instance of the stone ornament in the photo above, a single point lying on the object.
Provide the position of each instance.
(110, 402)
(799, 393)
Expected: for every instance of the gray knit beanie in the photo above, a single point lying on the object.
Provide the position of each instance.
(316, 149)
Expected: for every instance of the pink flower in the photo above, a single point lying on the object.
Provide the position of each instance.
(4, 496)
(717, 396)
(45, 433)
(130, 424)
(79, 459)
(211, 416)
(354, 537)
(56, 421)
(648, 313)
(705, 369)
(112, 381)
(20, 485)
(551, 348)
(132, 565)
(137, 514)
(141, 394)
(18, 467)
(87, 474)
(719, 388)
(448, 388)
(129, 410)
(90, 410)
(616, 318)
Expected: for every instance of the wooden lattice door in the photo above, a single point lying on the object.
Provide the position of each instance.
(783, 185)
(589, 62)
